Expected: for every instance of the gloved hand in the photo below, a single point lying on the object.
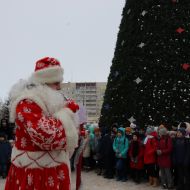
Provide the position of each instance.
(159, 152)
(72, 105)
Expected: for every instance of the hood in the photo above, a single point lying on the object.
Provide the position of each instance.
(122, 130)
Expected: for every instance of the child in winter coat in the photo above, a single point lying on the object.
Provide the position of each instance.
(86, 152)
(136, 154)
(120, 147)
(150, 159)
(164, 150)
(180, 153)
(5, 154)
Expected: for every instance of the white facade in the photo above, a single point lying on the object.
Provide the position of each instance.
(88, 94)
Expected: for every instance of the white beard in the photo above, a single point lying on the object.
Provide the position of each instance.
(48, 99)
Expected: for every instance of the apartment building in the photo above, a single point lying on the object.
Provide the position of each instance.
(88, 94)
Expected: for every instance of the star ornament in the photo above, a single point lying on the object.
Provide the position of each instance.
(180, 30)
(141, 45)
(186, 66)
(138, 80)
(131, 119)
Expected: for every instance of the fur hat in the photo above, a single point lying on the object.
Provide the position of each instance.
(163, 131)
(47, 70)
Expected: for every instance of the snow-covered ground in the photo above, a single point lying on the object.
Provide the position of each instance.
(93, 182)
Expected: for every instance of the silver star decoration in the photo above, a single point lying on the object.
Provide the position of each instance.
(143, 13)
(138, 80)
(141, 45)
(131, 119)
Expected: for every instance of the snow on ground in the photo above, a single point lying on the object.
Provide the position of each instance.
(93, 182)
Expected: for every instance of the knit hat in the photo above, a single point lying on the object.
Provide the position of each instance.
(47, 70)
(149, 130)
(163, 131)
(182, 130)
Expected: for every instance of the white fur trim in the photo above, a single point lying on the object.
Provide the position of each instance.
(48, 75)
(70, 124)
(21, 158)
(25, 95)
(49, 100)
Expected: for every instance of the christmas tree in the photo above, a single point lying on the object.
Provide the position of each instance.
(149, 79)
(4, 110)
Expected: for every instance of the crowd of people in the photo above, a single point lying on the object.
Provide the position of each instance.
(157, 155)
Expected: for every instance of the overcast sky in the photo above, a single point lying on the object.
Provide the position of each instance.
(80, 33)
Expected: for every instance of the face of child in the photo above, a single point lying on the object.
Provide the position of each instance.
(119, 134)
(135, 138)
(2, 138)
(179, 134)
(114, 129)
(97, 133)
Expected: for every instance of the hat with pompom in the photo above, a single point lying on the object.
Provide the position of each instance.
(47, 70)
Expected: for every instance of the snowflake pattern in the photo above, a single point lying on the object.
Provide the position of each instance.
(44, 131)
(48, 126)
(40, 65)
(30, 179)
(61, 175)
(23, 142)
(20, 117)
(29, 124)
(50, 181)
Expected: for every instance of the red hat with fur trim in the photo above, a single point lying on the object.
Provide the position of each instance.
(47, 70)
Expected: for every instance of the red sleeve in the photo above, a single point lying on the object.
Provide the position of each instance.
(168, 148)
(46, 132)
(153, 144)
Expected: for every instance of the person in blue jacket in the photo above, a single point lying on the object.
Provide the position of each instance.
(120, 147)
(5, 155)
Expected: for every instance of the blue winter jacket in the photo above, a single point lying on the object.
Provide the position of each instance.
(121, 144)
(5, 152)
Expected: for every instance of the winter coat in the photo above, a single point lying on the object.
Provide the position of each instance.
(165, 145)
(138, 162)
(86, 152)
(45, 135)
(150, 147)
(187, 157)
(180, 153)
(5, 152)
(121, 145)
(106, 148)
